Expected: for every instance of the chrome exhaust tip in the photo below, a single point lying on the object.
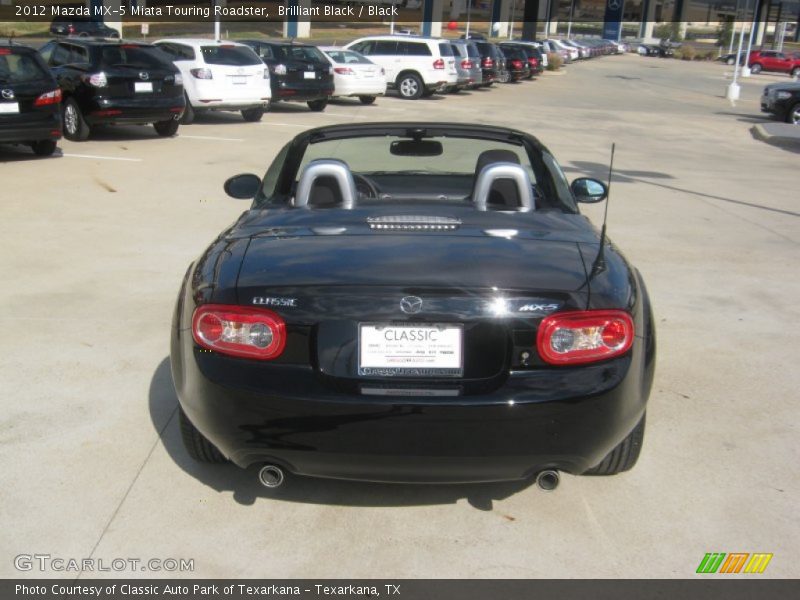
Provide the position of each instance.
(547, 480)
(271, 476)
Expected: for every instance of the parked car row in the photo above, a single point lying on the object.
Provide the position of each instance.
(76, 82)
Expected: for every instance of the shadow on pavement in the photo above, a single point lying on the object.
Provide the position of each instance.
(246, 489)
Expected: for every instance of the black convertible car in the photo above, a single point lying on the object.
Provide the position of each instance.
(414, 302)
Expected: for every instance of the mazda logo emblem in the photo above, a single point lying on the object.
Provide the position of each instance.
(8, 94)
(614, 4)
(411, 305)
(144, 75)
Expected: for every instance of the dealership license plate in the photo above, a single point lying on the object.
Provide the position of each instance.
(309, 75)
(239, 79)
(9, 108)
(411, 350)
(143, 87)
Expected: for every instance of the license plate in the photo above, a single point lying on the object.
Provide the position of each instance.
(309, 75)
(143, 86)
(8, 108)
(411, 350)
(239, 79)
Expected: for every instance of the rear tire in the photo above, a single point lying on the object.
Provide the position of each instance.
(624, 456)
(796, 72)
(755, 69)
(188, 113)
(410, 86)
(730, 61)
(793, 116)
(166, 128)
(75, 127)
(504, 77)
(198, 447)
(367, 99)
(317, 105)
(253, 115)
(44, 147)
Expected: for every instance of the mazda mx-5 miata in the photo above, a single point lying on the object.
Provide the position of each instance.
(414, 302)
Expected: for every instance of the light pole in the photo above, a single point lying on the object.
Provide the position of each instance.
(733, 89)
(216, 22)
(469, 2)
(513, 14)
(746, 68)
(571, 15)
(733, 28)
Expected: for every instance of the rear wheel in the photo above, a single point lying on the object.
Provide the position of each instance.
(166, 128)
(188, 112)
(253, 115)
(43, 147)
(756, 68)
(793, 116)
(624, 456)
(504, 77)
(367, 99)
(410, 86)
(730, 61)
(317, 105)
(75, 127)
(796, 72)
(196, 444)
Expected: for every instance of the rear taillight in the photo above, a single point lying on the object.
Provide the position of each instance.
(47, 98)
(202, 73)
(466, 64)
(517, 64)
(572, 338)
(4, 51)
(438, 63)
(344, 71)
(266, 73)
(279, 69)
(533, 62)
(70, 29)
(178, 79)
(96, 79)
(488, 63)
(239, 331)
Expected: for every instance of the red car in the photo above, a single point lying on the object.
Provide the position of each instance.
(772, 60)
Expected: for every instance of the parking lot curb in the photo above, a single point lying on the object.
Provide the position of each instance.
(778, 134)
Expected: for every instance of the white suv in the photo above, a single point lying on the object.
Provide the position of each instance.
(220, 76)
(415, 66)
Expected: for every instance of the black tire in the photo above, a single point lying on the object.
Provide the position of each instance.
(188, 113)
(367, 99)
(75, 127)
(731, 61)
(166, 128)
(317, 105)
(44, 147)
(624, 456)
(198, 447)
(504, 77)
(253, 115)
(755, 68)
(793, 115)
(410, 86)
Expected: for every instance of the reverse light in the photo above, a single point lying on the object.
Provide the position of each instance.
(279, 69)
(53, 97)
(344, 71)
(239, 331)
(266, 73)
(96, 79)
(572, 338)
(466, 64)
(178, 79)
(438, 64)
(202, 73)
(488, 63)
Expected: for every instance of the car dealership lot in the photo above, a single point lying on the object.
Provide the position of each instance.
(95, 244)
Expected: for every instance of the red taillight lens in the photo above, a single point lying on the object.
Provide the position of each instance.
(517, 64)
(488, 63)
(466, 64)
(344, 71)
(53, 97)
(572, 338)
(438, 64)
(201, 73)
(5, 52)
(239, 331)
(533, 62)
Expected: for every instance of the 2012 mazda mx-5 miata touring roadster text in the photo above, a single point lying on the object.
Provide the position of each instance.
(414, 302)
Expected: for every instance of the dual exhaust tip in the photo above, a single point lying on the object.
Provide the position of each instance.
(272, 476)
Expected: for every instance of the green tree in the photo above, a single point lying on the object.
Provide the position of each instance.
(725, 33)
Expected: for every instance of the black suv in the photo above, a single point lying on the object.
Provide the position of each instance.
(493, 62)
(298, 72)
(29, 99)
(115, 82)
(82, 28)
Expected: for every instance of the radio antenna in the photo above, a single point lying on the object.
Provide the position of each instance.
(599, 261)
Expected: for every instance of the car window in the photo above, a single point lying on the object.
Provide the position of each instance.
(472, 51)
(347, 57)
(303, 53)
(445, 49)
(46, 51)
(78, 55)
(61, 55)
(362, 47)
(177, 51)
(264, 51)
(229, 55)
(20, 68)
(131, 55)
(385, 48)
(413, 49)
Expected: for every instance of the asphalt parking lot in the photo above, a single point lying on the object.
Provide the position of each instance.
(96, 241)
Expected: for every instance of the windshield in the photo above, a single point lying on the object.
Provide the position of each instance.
(231, 56)
(20, 68)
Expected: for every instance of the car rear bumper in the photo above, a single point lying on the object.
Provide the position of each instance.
(134, 110)
(31, 132)
(361, 88)
(565, 419)
(301, 92)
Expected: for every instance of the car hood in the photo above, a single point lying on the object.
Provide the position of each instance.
(788, 87)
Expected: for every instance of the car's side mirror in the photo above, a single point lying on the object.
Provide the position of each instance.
(589, 190)
(243, 186)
